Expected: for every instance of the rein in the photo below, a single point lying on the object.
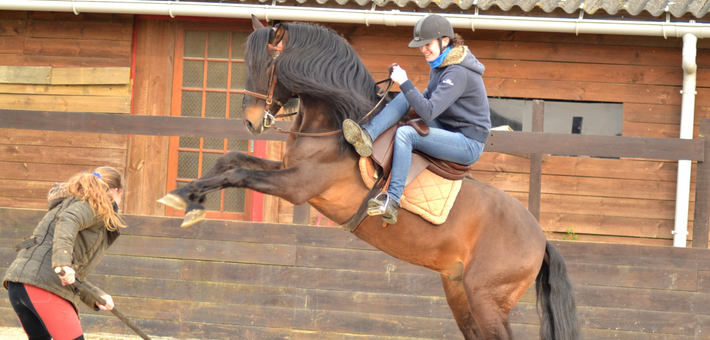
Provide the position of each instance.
(270, 119)
(335, 132)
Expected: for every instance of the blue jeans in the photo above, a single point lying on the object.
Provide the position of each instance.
(440, 143)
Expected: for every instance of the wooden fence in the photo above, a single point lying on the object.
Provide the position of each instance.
(531, 143)
(227, 280)
(242, 280)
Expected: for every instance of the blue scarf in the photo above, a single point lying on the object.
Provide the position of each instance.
(437, 62)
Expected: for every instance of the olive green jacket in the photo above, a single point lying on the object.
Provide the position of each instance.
(71, 235)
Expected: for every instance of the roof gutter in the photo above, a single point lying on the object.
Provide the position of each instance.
(367, 17)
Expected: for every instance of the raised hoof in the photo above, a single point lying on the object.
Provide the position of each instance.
(173, 201)
(192, 217)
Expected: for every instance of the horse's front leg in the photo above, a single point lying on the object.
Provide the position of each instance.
(290, 184)
(295, 184)
(186, 197)
(239, 160)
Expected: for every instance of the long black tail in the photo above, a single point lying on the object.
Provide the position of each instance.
(554, 296)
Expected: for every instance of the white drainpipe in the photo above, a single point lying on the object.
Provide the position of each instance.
(687, 116)
(689, 31)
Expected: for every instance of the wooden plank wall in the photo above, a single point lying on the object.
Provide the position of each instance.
(241, 280)
(60, 62)
(600, 200)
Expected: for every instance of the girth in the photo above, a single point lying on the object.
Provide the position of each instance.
(354, 222)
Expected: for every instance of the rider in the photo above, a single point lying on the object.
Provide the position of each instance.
(454, 105)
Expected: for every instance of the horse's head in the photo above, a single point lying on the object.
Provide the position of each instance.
(318, 65)
(264, 95)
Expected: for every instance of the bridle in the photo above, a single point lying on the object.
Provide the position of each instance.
(270, 119)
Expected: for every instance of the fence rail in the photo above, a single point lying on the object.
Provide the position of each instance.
(499, 141)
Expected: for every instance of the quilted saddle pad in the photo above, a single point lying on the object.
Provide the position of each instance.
(428, 195)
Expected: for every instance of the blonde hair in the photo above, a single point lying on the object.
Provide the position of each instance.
(93, 188)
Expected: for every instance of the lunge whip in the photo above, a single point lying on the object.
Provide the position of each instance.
(80, 286)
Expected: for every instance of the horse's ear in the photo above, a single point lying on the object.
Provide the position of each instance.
(278, 35)
(255, 23)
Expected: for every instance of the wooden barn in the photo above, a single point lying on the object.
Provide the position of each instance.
(616, 69)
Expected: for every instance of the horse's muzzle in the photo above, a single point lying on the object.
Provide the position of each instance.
(254, 130)
(266, 123)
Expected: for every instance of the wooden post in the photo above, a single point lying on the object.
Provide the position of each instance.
(702, 191)
(538, 114)
(302, 214)
(257, 198)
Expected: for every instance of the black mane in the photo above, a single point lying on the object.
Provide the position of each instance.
(317, 62)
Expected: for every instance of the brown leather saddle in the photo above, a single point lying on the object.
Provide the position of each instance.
(383, 147)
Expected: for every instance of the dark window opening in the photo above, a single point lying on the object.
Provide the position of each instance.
(586, 118)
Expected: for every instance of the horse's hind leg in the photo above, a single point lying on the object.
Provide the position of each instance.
(490, 316)
(491, 296)
(456, 297)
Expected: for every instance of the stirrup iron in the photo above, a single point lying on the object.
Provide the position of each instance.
(379, 210)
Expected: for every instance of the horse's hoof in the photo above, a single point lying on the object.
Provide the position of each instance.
(192, 217)
(173, 201)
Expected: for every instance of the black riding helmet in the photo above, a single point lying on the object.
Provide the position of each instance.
(429, 28)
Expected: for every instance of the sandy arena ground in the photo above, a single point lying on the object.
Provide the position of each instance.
(12, 333)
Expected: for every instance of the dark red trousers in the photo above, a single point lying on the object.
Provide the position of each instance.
(44, 315)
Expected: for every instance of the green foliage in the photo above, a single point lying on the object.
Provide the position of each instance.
(570, 234)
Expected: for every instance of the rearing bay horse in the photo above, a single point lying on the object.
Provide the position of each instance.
(488, 252)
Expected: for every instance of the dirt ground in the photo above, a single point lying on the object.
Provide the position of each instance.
(13, 333)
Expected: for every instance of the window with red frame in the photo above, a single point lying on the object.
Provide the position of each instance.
(208, 82)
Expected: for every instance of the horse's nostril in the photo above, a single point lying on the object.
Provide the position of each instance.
(249, 125)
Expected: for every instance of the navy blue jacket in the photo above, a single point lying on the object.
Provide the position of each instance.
(455, 96)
